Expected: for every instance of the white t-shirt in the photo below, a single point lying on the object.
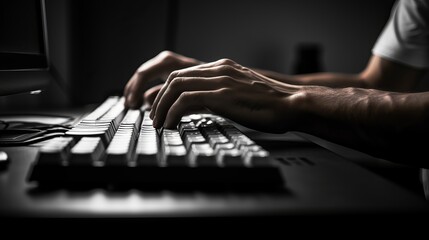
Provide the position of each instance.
(405, 38)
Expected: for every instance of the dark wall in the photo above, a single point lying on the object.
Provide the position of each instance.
(97, 45)
(112, 38)
(266, 33)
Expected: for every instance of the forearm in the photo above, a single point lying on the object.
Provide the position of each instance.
(389, 125)
(380, 74)
(321, 79)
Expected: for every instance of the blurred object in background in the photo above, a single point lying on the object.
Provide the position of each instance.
(308, 58)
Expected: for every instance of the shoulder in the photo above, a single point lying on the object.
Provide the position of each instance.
(413, 14)
(405, 39)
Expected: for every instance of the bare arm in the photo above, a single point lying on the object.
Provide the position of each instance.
(384, 124)
(389, 125)
(379, 74)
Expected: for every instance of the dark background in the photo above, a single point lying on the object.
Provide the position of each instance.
(96, 45)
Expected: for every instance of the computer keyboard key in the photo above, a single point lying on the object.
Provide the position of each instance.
(119, 151)
(55, 151)
(171, 138)
(258, 158)
(146, 154)
(195, 117)
(103, 122)
(147, 145)
(187, 126)
(193, 137)
(102, 134)
(215, 140)
(121, 148)
(242, 141)
(230, 158)
(87, 151)
(228, 145)
(174, 156)
(202, 155)
(147, 158)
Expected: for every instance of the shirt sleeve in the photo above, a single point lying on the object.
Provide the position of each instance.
(405, 38)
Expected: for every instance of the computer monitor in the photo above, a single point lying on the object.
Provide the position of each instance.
(24, 55)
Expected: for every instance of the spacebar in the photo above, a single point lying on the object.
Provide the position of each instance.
(171, 177)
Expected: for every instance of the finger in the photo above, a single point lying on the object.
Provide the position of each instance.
(127, 88)
(163, 63)
(259, 110)
(177, 87)
(150, 95)
(140, 81)
(220, 70)
(133, 98)
(156, 101)
(220, 62)
(260, 117)
(223, 67)
(193, 72)
(186, 102)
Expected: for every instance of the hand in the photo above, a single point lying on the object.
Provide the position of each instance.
(228, 89)
(161, 66)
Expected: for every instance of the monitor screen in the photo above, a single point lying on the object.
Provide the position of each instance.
(24, 59)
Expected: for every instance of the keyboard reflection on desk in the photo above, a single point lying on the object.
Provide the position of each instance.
(116, 146)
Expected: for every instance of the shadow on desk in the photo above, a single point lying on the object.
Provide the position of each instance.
(409, 177)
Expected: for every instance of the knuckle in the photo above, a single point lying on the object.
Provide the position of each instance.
(225, 91)
(226, 61)
(165, 55)
(173, 75)
(176, 82)
(184, 97)
(189, 97)
(245, 70)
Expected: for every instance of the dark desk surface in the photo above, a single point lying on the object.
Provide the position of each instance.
(331, 186)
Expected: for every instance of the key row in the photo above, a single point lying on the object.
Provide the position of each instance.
(199, 141)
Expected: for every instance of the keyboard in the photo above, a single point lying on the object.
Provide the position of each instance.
(115, 146)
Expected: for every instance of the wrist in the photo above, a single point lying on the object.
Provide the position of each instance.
(297, 108)
(313, 107)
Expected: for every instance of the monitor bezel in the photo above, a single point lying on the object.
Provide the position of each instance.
(29, 79)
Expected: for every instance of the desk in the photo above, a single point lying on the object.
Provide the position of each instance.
(330, 186)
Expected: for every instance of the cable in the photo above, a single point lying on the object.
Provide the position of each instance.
(22, 133)
(31, 140)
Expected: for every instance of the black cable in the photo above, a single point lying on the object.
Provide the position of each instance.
(32, 140)
(33, 125)
(22, 133)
